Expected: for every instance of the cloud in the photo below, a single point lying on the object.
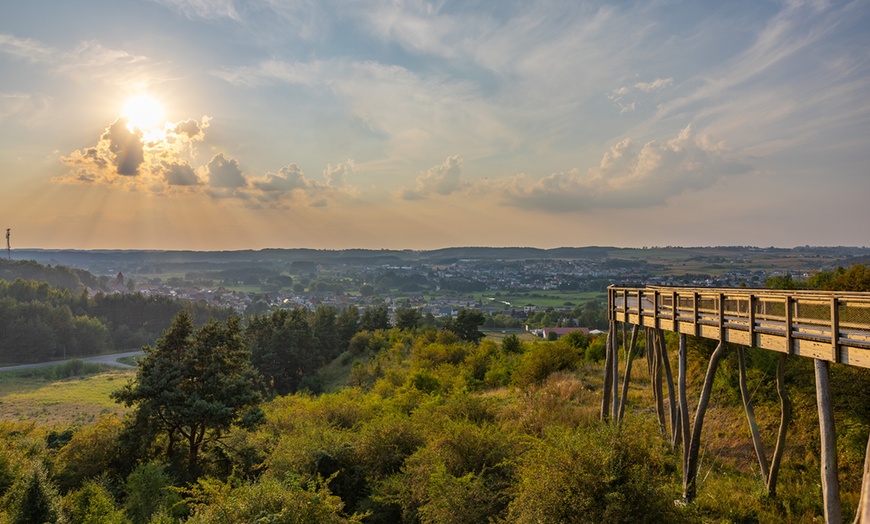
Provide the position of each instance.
(622, 96)
(336, 176)
(131, 159)
(627, 176)
(179, 174)
(164, 162)
(290, 183)
(223, 172)
(441, 180)
(26, 48)
(208, 9)
(25, 107)
(126, 147)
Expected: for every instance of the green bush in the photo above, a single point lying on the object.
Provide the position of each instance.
(542, 359)
(268, 501)
(602, 473)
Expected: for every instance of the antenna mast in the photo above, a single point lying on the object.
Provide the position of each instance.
(8, 245)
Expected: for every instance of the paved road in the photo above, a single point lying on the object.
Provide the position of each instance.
(109, 360)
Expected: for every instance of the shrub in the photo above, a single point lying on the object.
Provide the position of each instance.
(32, 498)
(269, 500)
(92, 504)
(149, 493)
(602, 473)
(91, 452)
(542, 359)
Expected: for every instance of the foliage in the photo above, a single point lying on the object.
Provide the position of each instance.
(149, 492)
(543, 358)
(32, 498)
(466, 324)
(91, 452)
(193, 386)
(602, 473)
(374, 318)
(267, 501)
(92, 504)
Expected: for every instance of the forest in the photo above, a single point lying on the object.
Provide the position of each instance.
(325, 416)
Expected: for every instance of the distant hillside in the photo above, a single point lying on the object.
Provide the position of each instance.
(57, 276)
(701, 259)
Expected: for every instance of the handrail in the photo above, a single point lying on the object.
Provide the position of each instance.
(827, 325)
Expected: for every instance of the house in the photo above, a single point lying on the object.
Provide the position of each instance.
(560, 331)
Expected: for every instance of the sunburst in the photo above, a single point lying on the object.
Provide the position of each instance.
(144, 113)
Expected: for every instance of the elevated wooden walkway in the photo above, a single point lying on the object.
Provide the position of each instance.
(825, 326)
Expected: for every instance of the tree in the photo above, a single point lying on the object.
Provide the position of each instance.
(408, 318)
(194, 385)
(375, 318)
(465, 325)
(33, 499)
(283, 348)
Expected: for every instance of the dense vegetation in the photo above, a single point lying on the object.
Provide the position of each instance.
(236, 421)
(40, 322)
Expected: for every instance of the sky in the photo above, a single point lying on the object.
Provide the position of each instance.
(393, 124)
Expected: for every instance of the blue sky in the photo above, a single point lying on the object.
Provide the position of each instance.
(412, 124)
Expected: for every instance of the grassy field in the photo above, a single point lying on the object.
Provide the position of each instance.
(80, 400)
(540, 298)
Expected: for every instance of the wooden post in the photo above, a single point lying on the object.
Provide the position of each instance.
(608, 374)
(750, 415)
(669, 377)
(615, 381)
(830, 482)
(628, 360)
(690, 488)
(684, 404)
(863, 514)
(657, 381)
(785, 418)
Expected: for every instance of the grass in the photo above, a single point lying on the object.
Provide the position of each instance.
(78, 400)
(540, 298)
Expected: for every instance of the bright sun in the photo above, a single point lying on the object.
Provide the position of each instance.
(143, 112)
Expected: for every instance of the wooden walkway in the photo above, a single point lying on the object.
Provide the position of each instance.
(825, 326)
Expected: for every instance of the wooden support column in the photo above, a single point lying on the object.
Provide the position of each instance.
(684, 404)
(656, 380)
(830, 481)
(785, 418)
(628, 360)
(690, 488)
(750, 415)
(615, 380)
(863, 514)
(835, 329)
(669, 377)
(608, 374)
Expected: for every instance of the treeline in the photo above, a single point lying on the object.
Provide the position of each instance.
(40, 322)
(58, 276)
(854, 278)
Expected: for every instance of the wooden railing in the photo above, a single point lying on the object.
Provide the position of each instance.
(823, 325)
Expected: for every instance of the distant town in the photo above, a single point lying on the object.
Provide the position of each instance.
(515, 282)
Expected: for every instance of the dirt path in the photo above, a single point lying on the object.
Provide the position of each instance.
(109, 360)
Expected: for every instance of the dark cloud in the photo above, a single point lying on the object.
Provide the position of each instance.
(126, 146)
(191, 128)
(287, 178)
(225, 173)
(179, 174)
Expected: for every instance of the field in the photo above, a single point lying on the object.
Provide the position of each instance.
(41, 398)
